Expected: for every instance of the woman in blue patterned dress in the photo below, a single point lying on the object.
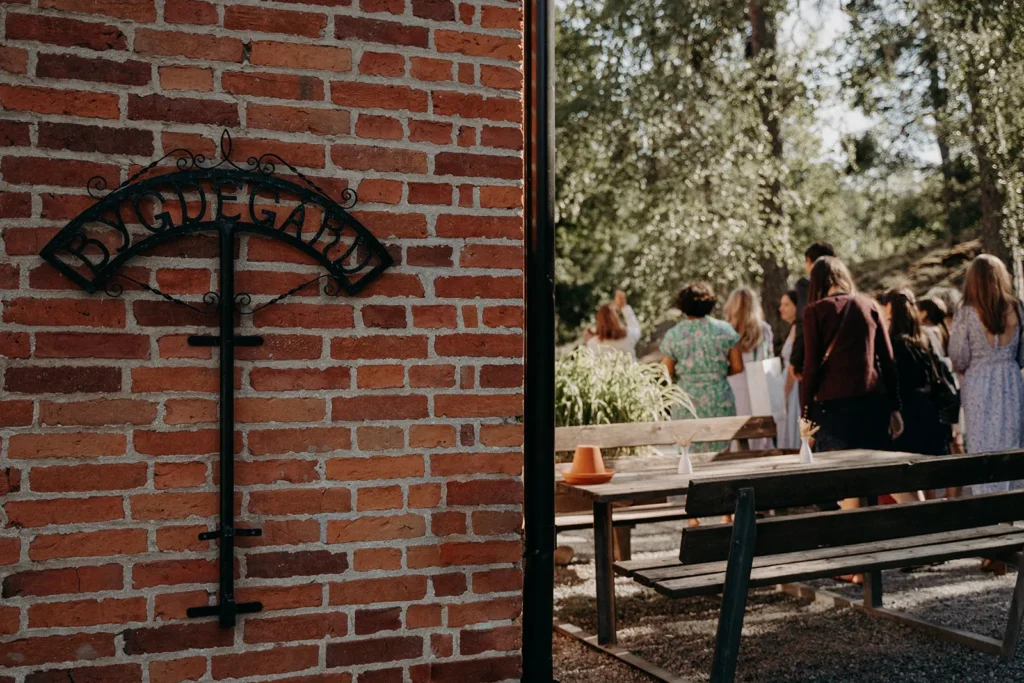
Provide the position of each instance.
(697, 356)
(985, 347)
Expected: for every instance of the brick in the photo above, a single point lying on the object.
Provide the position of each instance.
(65, 32)
(501, 435)
(377, 31)
(367, 591)
(131, 72)
(385, 317)
(371, 650)
(502, 138)
(66, 172)
(15, 413)
(455, 464)
(278, 565)
(500, 197)
(424, 496)
(180, 378)
(430, 193)
(483, 611)
(448, 524)
(173, 572)
(460, 554)
(491, 256)
(134, 10)
(193, 78)
(282, 597)
(10, 552)
(300, 501)
(123, 673)
(482, 670)
(189, 411)
(474, 106)
(173, 606)
(382, 676)
(449, 585)
(50, 649)
(478, 405)
(503, 316)
(432, 436)
(432, 376)
(436, 10)
(182, 110)
(177, 670)
(298, 56)
(283, 347)
(81, 579)
(485, 492)
(308, 316)
(424, 616)
(59, 445)
(264, 662)
(401, 407)
(372, 559)
(97, 412)
(13, 60)
(375, 528)
(434, 256)
(262, 20)
(507, 227)
(501, 78)
(501, 376)
(498, 580)
(298, 119)
(369, 621)
(254, 409)
(104, 140)
(379, 498)
(64, 479)
(192, 45)
(479, 45)
(62, 380)
(164, 505)
(190, 12)
(304, 440)
(479, 345)
(373, 468)
(467, 74)
(379, 347)
(382, 64)
(80, 613)
(380, 438)
(281, 86)
(176, 346)
(383, 159)
(297, 627)
(15, 204)
(269, 281)
(275, 471)
(430, 69)
(181, 537)
(378, 96)
(379, 127)
(478, 165)
(177, 638)
(394, 225)
(178, 475)
(390, 6)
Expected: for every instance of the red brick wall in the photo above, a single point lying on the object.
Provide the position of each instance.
(379, 448)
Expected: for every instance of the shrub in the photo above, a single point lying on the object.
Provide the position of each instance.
(595, 389)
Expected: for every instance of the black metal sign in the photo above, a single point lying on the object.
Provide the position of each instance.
(226, 198)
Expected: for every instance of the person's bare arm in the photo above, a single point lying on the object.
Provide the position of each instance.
(670, 365)
(735, 361)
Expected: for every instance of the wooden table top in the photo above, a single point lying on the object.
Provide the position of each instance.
(652, 484)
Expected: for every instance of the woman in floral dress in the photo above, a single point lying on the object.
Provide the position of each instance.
(697, 356)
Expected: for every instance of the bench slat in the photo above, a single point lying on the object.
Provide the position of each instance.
(665, 433)
(845, 527)
(717, 496)
(658, 512)
(814, 569)
(656, 571)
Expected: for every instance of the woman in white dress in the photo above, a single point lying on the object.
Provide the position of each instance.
(789, 430)
(743, 312)
(618, 330)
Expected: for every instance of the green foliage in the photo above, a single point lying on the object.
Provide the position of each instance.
(593, 388)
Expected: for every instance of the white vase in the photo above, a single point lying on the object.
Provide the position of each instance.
(806, 457)
(685, 466)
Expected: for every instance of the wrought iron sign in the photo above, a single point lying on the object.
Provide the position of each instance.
(161, 203)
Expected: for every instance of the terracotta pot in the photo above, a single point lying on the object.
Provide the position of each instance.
(587, 460)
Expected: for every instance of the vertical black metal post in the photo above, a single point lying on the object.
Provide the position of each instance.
(226, 609)
(539, 411)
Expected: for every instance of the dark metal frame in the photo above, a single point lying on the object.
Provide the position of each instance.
(351, 256)
(539, 410)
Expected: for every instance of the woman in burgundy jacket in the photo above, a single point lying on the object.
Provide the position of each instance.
(850, 386)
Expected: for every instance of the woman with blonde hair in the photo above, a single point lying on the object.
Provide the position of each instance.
(985, 347)
(743, 312)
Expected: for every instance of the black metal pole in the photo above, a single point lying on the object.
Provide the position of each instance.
(226, 609)
(539, 411)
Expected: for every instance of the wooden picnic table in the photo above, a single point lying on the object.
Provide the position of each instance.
(640, 487)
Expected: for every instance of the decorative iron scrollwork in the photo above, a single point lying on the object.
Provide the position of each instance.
(151, 208)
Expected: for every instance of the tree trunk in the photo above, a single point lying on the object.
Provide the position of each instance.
(992, 241)
(762, 54)
(939, 97)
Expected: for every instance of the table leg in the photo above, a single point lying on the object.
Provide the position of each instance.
(603, 550)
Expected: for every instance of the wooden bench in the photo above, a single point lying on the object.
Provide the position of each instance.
(668, 433)
(731, 559)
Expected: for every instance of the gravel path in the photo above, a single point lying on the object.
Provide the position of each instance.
(785, 639)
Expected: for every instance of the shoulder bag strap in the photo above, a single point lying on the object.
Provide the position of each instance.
(832, 344)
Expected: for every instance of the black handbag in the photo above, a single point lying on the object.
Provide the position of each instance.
(943, 391)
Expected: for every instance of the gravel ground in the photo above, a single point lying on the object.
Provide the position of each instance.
(785, 639)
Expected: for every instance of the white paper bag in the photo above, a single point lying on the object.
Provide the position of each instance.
(766, 384)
